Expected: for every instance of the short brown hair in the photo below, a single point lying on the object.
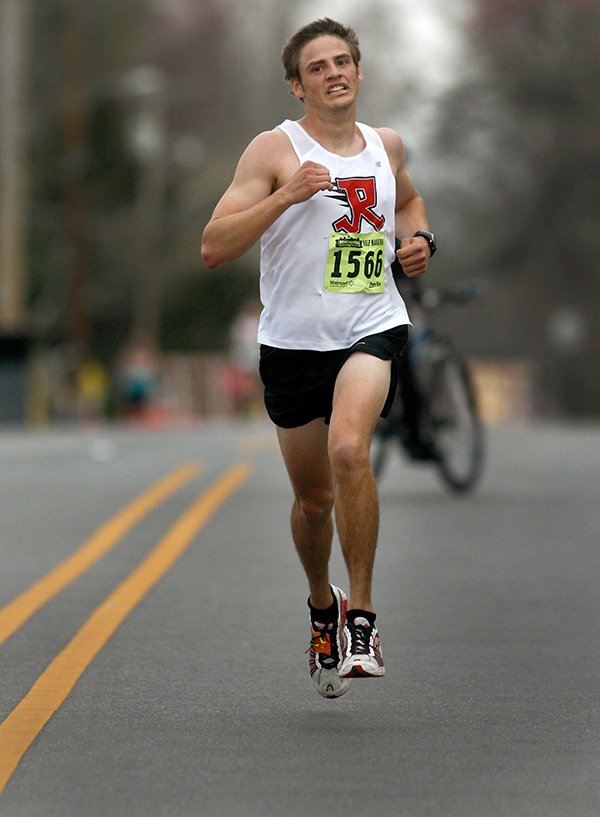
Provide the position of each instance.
(291, 50)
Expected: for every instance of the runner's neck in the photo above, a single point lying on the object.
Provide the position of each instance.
(343, 138)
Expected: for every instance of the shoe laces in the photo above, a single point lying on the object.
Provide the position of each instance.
(360, 637)
(323, 647)
(320, 642)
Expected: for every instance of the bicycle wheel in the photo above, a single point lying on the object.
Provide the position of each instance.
(454, 422)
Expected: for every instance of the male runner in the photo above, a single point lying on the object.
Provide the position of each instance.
(327, 196)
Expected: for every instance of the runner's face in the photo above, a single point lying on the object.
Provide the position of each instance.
(328, 75)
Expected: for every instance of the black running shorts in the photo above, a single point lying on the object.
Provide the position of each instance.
(299, 383)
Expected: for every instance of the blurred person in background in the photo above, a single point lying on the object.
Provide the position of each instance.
(327, 197)
(93, 388)
(243, 383)
(137, 378)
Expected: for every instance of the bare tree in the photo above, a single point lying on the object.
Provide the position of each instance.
(521, 134)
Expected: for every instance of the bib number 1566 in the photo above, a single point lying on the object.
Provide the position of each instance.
(355, 263)
(370, 264)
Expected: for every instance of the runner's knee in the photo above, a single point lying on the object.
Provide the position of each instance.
(349, 456)
(315, 508)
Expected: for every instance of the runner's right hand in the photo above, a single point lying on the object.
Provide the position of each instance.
(309, 179)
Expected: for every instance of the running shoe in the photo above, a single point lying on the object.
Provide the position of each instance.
(325, 649)
(361, 655)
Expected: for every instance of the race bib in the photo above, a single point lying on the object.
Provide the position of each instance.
(355, 263)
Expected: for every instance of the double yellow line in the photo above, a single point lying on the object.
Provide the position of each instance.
(28, 718)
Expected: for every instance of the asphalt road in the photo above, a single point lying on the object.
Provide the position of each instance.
(153, 626)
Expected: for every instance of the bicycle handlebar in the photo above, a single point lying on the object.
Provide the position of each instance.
(433, 297)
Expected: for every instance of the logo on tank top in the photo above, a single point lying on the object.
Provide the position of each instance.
(359, 195)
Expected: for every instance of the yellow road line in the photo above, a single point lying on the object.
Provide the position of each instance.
(29, 717)
(16, 613)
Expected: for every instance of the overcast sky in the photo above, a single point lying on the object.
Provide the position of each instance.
(432, 53)
(430, 31)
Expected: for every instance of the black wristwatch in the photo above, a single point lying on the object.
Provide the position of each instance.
(429, 238)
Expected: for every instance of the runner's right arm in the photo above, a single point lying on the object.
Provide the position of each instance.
(257, 196)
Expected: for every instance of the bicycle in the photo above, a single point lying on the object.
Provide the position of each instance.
(434, 417)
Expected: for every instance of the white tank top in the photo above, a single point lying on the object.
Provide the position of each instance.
(299, 313)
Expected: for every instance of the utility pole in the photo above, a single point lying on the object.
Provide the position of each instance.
(144, 94)
(14, 55)
(14, 58)
(76, 203)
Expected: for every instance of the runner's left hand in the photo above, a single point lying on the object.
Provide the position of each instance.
(413, 255)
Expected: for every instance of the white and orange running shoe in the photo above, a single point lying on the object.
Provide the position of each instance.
(325, 648)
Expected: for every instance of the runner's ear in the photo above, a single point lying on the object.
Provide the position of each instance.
(296, 89)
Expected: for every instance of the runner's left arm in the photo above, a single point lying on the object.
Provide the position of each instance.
(411, 214)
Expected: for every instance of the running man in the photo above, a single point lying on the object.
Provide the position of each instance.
(327, 197)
